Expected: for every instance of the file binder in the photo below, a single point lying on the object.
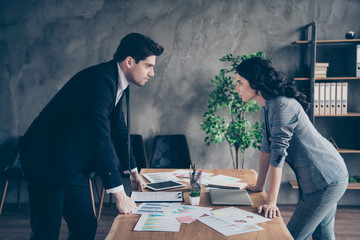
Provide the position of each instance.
(338, 98)
(344, 96)
(327, 98)
(316, 99)
(322, 98)
(358, 60)
(333, 98)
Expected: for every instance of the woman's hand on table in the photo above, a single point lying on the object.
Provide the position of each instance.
(254, 188)
(270, 210)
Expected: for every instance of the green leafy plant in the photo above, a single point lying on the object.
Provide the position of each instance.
(234, 127)
(194, 193)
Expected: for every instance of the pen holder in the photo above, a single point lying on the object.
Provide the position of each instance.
(195, 183)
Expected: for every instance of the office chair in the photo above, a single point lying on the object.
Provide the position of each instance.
(170, 151)
(138, 147)
(10, 167)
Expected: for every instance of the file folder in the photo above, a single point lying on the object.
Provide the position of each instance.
(358, 60)
(333, 98)
(322, 99)
(327, 98)
(344, 98)
(316, 99)
(338, 98)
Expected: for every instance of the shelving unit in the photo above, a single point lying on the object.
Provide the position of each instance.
(350, 122)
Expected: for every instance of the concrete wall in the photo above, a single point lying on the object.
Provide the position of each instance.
(43, 43)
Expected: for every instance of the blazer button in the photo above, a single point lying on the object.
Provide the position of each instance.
(109, 173)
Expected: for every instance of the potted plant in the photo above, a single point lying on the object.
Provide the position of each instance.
(234, 127)
(194, 197)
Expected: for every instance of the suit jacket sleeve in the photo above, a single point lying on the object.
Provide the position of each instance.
(99, 99)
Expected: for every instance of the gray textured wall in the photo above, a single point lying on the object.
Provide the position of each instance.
(43, 43)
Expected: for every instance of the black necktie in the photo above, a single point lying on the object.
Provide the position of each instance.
(127, 92)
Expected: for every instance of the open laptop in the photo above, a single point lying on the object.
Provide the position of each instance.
(229, 197)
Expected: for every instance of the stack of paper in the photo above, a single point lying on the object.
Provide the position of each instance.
(321, 70)
(167, 216)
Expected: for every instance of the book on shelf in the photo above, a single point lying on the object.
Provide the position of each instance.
(318, 64)
(321, 70)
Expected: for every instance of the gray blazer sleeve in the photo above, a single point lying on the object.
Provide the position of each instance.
(283, 119)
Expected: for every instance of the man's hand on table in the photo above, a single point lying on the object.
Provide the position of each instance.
(137, 182)
(124, 203)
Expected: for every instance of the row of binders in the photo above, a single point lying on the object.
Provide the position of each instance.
(330, 98)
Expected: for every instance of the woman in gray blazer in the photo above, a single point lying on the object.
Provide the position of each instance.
(289, 136)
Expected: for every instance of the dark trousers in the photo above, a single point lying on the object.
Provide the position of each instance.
(48, 204)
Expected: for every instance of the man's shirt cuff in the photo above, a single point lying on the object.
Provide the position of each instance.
(132, 171)
(115, 189)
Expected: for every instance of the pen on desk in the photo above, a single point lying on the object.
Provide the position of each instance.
(199, 175)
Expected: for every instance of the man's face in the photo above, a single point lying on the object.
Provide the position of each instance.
(140, 72)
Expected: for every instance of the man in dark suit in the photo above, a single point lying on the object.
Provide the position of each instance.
(83, 129)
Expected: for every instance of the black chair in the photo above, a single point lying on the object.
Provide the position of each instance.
(138, 147)
(170, 151)
(10, 167)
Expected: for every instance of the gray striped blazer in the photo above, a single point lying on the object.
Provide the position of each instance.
(289, 136)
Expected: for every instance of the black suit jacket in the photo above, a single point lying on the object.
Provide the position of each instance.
(79, 130)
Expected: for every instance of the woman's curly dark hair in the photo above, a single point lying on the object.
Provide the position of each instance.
(263, 77)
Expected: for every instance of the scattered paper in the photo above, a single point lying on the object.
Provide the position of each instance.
(156, 208)
(185, 219)
(185, 210)
(220, 214)
(238, 216)
(157, 196)
(186, 173)
(160, 177)
(148, 222)
(226, 228)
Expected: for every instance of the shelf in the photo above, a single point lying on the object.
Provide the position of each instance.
(345, 150)
(328, 41)
(329, 78)
(355, 186)
(349, 114)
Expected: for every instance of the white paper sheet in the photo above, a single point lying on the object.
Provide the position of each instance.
(157, 196)
(156, 208)
(226, 228)
(160, 177)
(238, 216)
(157, 223)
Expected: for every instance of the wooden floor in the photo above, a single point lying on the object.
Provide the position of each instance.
(15, 225)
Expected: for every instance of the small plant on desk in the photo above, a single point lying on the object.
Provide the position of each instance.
(194, 197)
(195, 193)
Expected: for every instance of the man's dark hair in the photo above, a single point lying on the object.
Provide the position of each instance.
(137, 46)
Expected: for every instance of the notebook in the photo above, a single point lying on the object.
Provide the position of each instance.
(229, 197)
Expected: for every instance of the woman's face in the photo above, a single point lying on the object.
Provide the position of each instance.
(244, 90)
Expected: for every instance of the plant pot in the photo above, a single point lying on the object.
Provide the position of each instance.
(194, 200)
